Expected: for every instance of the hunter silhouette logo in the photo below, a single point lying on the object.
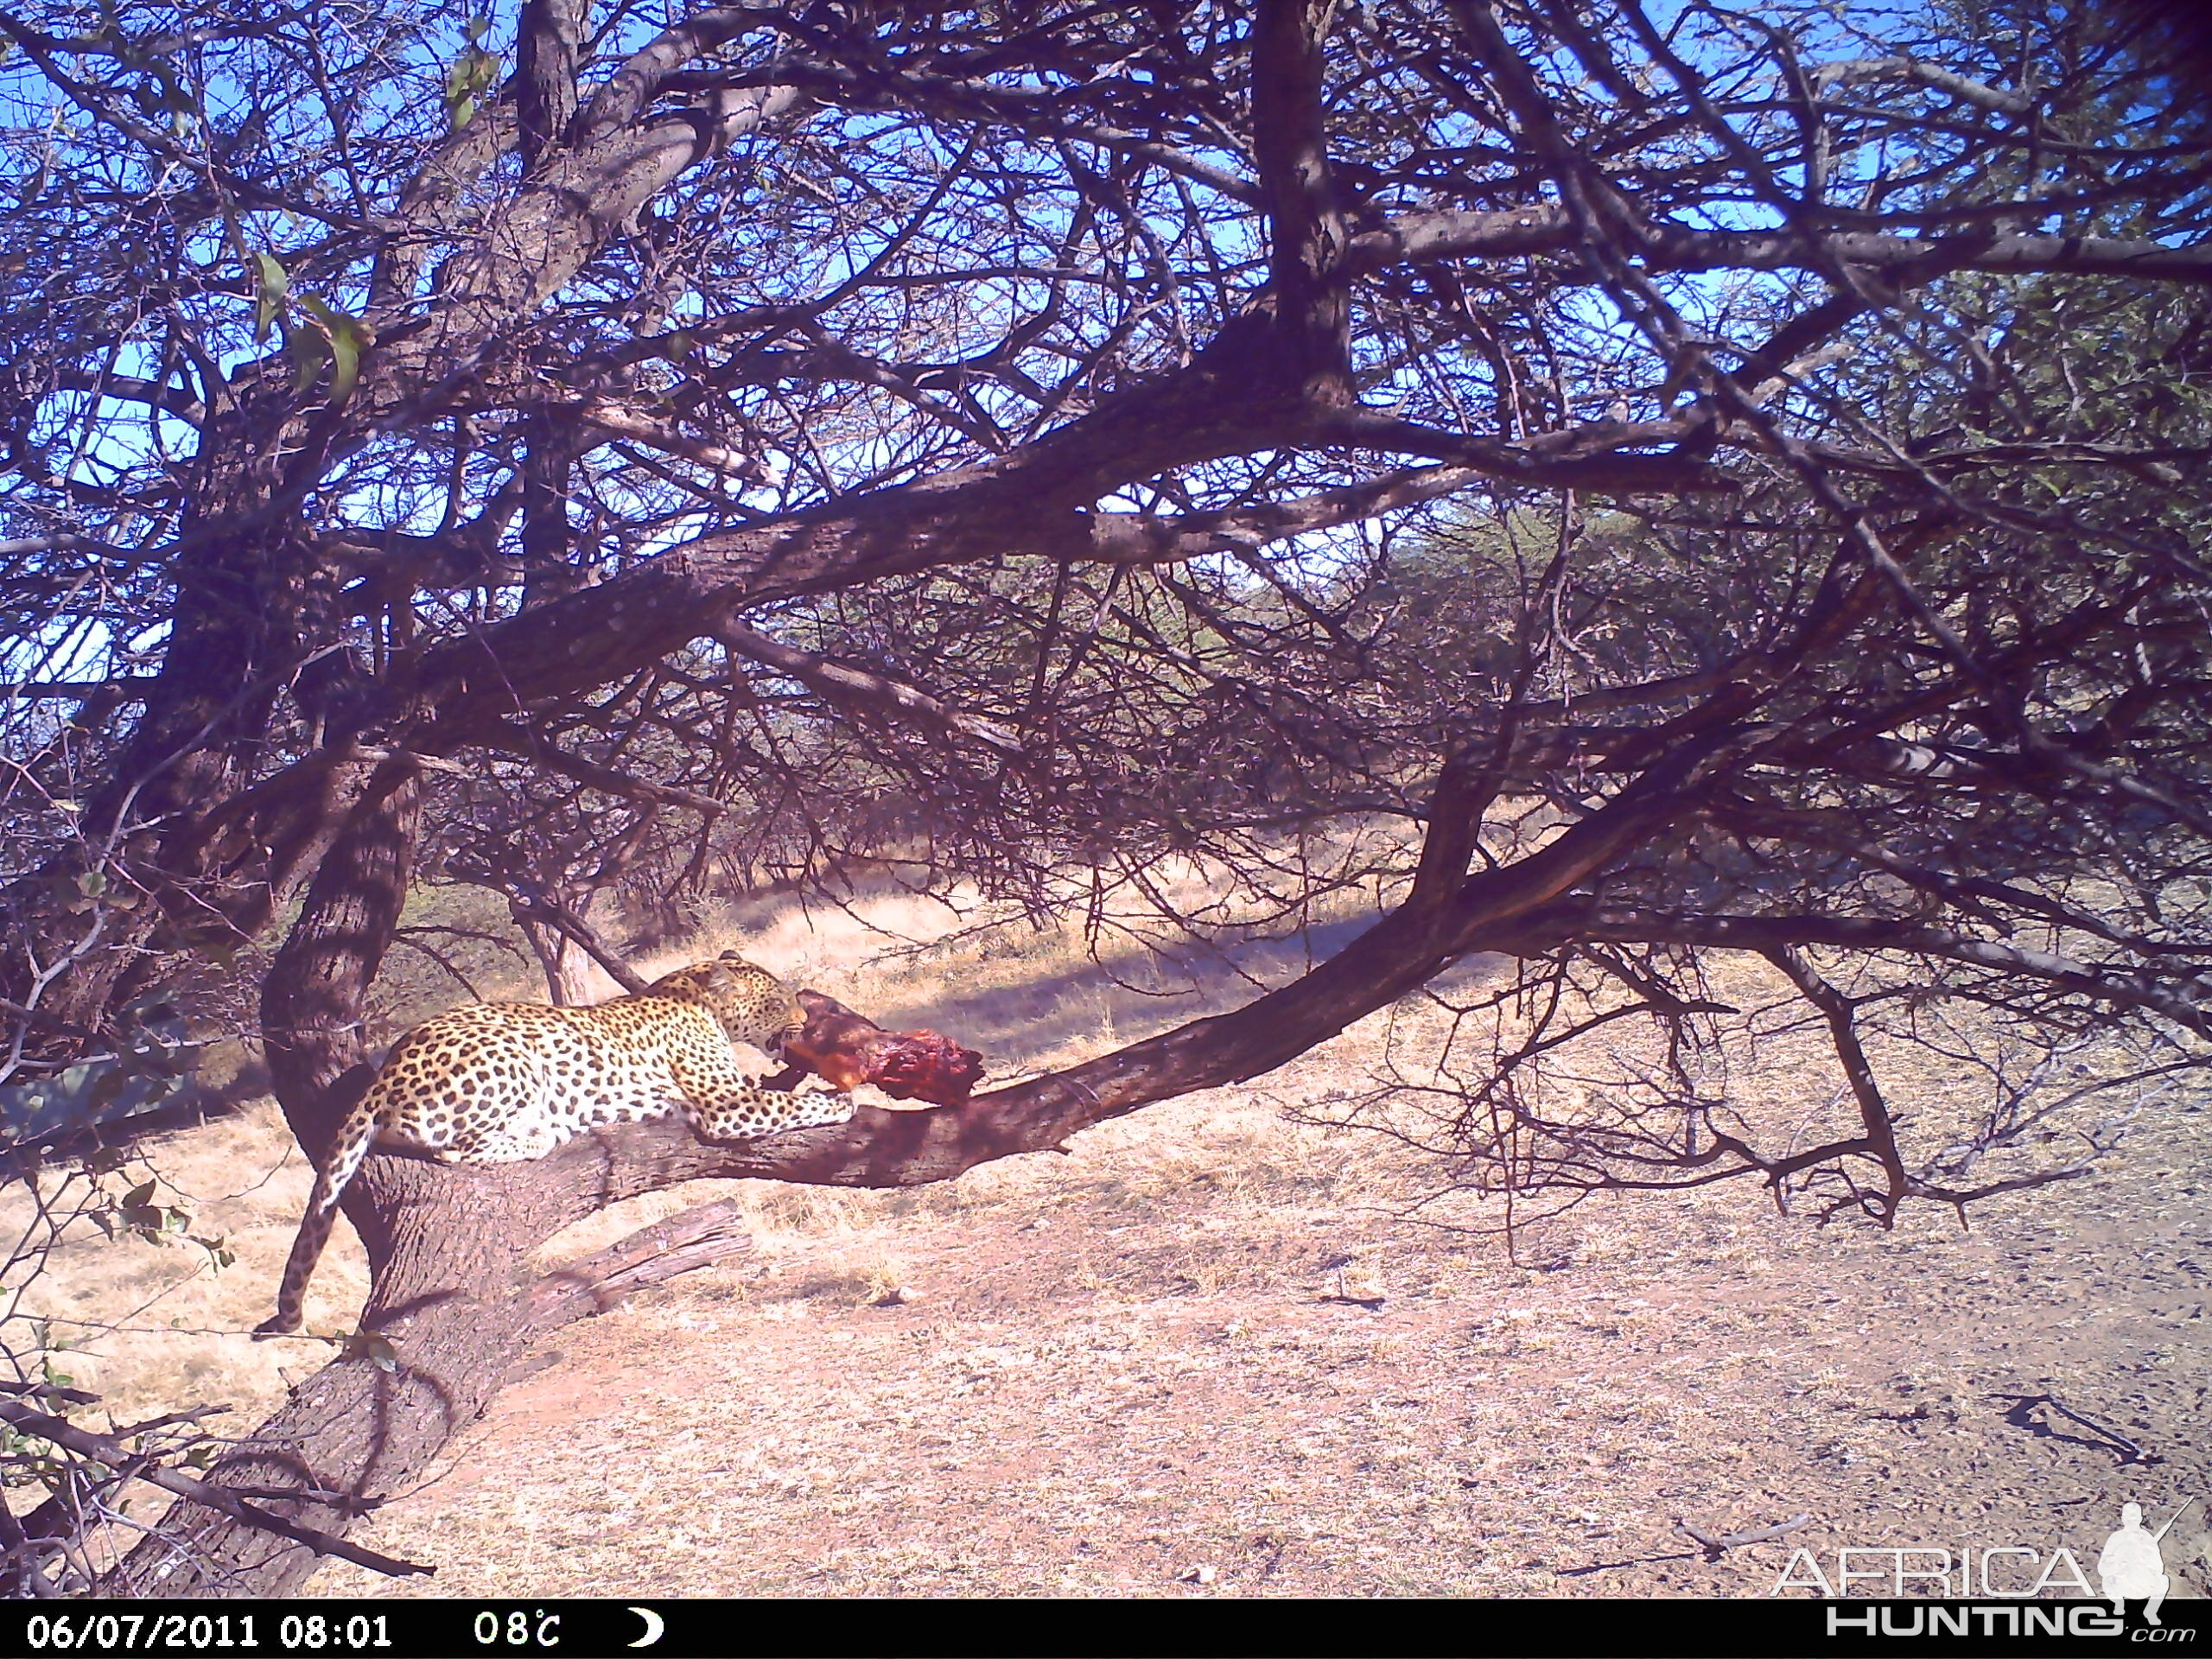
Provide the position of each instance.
(2130, 1567)
(2131, 1564)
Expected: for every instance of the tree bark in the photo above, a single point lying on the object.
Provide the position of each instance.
(218, 803)
(454, 1304)
(455, 1307)
(565, 964)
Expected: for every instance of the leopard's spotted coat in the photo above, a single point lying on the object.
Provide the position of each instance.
(503, 1082)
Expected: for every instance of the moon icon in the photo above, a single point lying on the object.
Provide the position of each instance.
(655, 1627)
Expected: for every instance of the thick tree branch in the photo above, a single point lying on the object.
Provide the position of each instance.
(620, 626)
(546, 41)
(1879, 1127)
(1421, 237)
(1307, 230)
(698, 1237)
(542, 907)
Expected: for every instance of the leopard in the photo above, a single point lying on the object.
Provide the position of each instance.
(496, 1083)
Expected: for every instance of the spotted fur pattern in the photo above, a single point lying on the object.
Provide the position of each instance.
(496, 1083)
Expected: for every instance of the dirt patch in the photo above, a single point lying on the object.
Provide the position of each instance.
(1151, 1367)
(1116, 1373)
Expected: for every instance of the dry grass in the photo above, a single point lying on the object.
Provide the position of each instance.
(1096, 1374)
(1113, 1367)
(180, 1323)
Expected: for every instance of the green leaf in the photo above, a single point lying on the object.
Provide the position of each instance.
(347, 339)
(269, 294)
(93, 883)
(470, 75)
(141, 1215)
(345, 362)
(366, 1344)
(309, 350)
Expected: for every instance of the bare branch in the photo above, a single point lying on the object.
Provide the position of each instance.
(218, 1498)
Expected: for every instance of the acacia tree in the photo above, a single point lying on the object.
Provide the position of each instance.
(1726, 480)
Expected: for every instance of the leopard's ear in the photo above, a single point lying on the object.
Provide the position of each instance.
(730, 955)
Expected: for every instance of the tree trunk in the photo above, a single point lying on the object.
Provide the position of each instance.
(250, 611)
(455, 1307)
(453, 1299)
(566, 965)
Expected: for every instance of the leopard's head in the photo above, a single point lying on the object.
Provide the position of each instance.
(751, 1003)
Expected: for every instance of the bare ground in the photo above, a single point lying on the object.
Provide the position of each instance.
(1108, 1388)
(1151, 1367)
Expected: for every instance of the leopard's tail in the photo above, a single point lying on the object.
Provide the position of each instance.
(330, 1179)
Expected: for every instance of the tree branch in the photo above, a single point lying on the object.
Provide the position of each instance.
(697, 1237)
(1417, 239)
(2163, 994)
(1307, 235)
(862, 690)
(143, 1467)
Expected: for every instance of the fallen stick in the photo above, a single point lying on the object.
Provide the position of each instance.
(1718, 1543)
